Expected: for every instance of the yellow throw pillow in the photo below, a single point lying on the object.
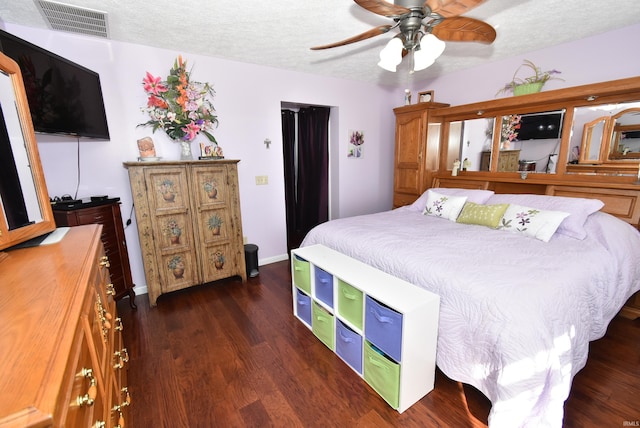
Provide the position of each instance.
(484, 215)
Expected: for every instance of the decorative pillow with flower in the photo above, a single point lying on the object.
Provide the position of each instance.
(477, 196)
(439, 205)
(579, 208)
(539, 224)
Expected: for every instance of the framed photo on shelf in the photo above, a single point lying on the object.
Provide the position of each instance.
(425, 97)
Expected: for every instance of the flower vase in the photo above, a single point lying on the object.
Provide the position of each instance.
(185, 150)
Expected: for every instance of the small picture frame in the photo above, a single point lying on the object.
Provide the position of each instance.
(210, 151)
(425, 97)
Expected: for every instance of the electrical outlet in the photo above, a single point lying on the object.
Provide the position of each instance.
(262, 179)
(245, 240)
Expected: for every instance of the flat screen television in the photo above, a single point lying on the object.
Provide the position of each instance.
(540, 126)
(64, 97)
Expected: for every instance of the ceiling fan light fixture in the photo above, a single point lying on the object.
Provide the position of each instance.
(391, 55)
(426, 53)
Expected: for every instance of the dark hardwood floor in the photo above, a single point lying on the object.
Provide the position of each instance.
(233, 355)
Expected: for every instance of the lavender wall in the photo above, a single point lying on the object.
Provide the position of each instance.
(248, 101)
(607, 56)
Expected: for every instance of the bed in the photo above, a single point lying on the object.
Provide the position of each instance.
(517, 311)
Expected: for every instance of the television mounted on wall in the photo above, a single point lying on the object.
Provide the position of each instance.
(64, 97)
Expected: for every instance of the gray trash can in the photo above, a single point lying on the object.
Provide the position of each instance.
(251, 259)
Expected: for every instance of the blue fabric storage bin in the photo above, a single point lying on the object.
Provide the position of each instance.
(349, 346)
(383, 328)
(324, 287)
(303, 307)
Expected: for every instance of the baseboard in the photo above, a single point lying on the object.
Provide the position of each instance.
(142, 289)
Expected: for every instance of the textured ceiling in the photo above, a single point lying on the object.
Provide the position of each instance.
(279, 33)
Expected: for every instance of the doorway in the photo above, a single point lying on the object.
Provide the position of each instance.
(305, 136)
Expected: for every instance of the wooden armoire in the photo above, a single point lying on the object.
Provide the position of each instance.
(189, 223)
(416, 152)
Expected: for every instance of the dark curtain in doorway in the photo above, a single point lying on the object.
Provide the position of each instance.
(307, 177)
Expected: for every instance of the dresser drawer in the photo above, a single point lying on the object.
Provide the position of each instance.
(86, 400)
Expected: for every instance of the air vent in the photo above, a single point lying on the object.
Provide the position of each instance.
(73, 19)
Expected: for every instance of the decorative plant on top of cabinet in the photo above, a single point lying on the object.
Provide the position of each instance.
(189, 222)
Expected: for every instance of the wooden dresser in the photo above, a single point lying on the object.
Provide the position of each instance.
(189, 223)
(508, 160)
(106, 213)
(64, 363)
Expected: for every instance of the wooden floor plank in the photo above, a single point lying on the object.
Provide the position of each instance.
(233, 355)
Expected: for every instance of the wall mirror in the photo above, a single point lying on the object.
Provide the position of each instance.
(468, 140)
(523, 142)
(24, 201)
(625, 134)
(605, 134)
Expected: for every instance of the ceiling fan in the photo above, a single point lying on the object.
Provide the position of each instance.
(424, 26)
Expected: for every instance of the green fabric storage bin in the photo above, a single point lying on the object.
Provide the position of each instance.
(350, 304)
(323, 326)
(301, 274)
(382, 374)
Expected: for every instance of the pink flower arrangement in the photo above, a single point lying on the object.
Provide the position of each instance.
(179, 106)
(510, 126)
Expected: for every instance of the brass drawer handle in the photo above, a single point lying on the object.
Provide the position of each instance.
(89, 398)
(122, 356)
(118, 324)
(127, 396)
(104, 261)
(118, 408)
(111, 290)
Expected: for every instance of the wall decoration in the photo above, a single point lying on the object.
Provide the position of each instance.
(356, 143)
(425, 97)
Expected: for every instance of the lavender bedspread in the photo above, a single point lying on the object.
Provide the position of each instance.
(516, 314)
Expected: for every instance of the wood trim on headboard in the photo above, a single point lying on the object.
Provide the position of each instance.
(620, 200)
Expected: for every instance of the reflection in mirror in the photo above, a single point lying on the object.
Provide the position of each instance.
(468, 141)
(625, 134)
(17, 190)
(25, 212)
(530, 142)
(591, 148)
(599, 140)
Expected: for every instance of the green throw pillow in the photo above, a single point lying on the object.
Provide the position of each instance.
(484, 215)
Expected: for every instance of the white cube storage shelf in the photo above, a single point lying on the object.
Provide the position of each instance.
(384, 328)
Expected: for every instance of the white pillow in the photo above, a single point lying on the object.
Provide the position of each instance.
(539, 224)
(579, 208)
(444, 206)
(477, 196)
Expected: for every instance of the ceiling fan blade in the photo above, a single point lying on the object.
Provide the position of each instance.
(462, 29)
(381, 29)
(382, 7)
(450, 8)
